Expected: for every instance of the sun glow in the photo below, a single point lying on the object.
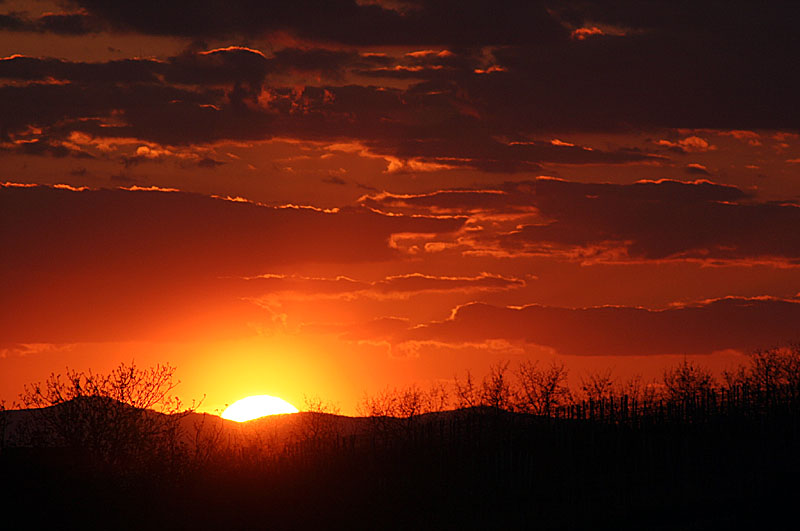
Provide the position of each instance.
(257, 406)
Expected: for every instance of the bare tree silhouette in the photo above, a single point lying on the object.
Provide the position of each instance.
(774, 368)
(542, 390)
(687, 381)
(318, 423)
(122, 418)
(467, 393)
(496, 390)
(396, 411)
(597, 386)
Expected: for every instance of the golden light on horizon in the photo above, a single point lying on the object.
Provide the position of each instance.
(257, 406)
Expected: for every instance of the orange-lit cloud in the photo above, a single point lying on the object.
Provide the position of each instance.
(702, 328)
(690, 144)
(392, 286)
(645, 220)
(751, 137)
(158, 256)
(697, 169)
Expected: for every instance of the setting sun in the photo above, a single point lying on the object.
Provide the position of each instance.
(257, 406)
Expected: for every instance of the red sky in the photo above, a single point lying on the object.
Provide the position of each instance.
(328, 199)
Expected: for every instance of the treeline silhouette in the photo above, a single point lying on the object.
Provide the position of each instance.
(516, 448)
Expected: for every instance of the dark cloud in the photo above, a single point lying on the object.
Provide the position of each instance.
(235, 237)
(222, 95)
(133, 161)
(451, 202)
(307, 286)
(218, 67)
(343, 21)
(645, 220)
(334, 179)
(426, 65)
(660, 220)
(331, 63)
(697, 169)
(436, 127)
(430, 122)
(491, 154)
(405, 285)
(661, 68)
(59, 108)
(645, 80)
(14, 22)
(66, 276)
(528, 195)
(656, 15)
(488, 86)
(209, 163)
(703, 328)
(124, 71)
(213, 97)
(417, 282)
(57, 23)
(43, 147)
(227, 66)
(68, 23)
(214, 18)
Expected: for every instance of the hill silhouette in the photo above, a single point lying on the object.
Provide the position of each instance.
(472, 468)
(699, 455)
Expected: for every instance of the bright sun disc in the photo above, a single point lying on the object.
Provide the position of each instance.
(257, 406)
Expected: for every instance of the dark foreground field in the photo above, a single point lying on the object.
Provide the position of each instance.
(707, 463)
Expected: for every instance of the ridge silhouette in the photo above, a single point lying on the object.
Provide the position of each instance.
(720, 456)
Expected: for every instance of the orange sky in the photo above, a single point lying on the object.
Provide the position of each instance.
(331, 200)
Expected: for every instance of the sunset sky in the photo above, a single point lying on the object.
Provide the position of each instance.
(329, 198)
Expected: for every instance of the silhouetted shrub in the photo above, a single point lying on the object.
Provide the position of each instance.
(124, 419)
(687, 381)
